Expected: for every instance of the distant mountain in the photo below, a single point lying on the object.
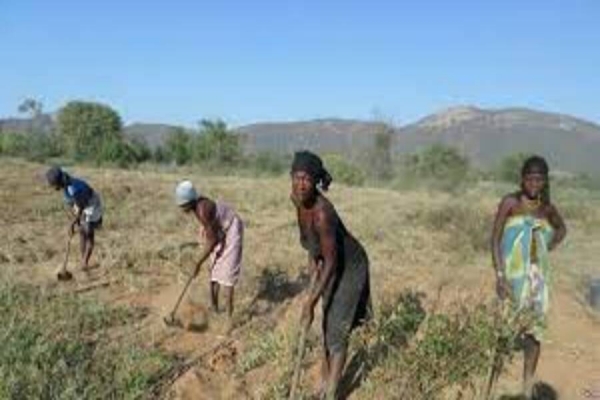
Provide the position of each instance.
(153, 134)
(323, 135)
(487, 136)
(42, 124)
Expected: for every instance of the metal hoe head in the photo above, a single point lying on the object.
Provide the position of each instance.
(170, 320)
(64, 275)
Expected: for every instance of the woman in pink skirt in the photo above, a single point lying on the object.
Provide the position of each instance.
(223, 232)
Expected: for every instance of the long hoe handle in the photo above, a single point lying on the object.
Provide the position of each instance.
(298, 363)
(64, 267)
(300, 352)
(185, 288)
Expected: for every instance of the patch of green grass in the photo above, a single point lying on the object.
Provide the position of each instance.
(278, 350)
(59, 348)
(263, 349)
(469, 226)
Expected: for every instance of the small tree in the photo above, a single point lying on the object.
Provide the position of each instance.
(344, 171)
(178, 146)
(509, 169)
(14, 144)
(141, 150)
(161, 155)
(379, 160)
(269, 162)
(33, 108)
(215, 143)
(84, 127)
(441, 165)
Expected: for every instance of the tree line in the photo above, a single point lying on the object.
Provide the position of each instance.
(92, 132)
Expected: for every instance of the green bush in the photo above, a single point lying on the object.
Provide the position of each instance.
(59, 347)
(379, 159)
(121, 153)
(343, 171)
(213, 145)
(160, 155)
(439, 162)
(33, 146)
(216, 144)
(86, 126)
(509, 169)
(43, 147)
(423, 356)
(141, 150)
(455, 349)
(270, 163)
(437, 166)
(397, 322)
(178, 146)
(14, 144)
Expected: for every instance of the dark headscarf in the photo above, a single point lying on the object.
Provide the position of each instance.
(313, 165)
(538, 165)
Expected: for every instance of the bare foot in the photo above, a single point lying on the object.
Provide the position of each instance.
(87, 268)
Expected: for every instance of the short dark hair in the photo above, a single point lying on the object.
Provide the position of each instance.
(55, 176)
(537, 164)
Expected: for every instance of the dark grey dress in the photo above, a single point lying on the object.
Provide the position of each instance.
(346, 300)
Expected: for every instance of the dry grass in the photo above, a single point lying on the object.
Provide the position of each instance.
(427, 241)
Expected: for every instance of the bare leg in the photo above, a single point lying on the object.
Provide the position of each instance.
(89, 248)
(228, 291)
(324, 373)
(229, 296)
(337, 362)
(531, 357)
(82, 246)
(214, 296)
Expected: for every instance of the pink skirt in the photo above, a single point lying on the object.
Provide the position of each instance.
(226, 258)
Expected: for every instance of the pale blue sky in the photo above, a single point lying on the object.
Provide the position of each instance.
(246, 61)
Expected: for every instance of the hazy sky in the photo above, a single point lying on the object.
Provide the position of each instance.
(245, 61)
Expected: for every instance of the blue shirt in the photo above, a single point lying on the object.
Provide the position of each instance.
(78, 192)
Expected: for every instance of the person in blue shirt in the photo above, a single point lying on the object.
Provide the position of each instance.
(86, 208)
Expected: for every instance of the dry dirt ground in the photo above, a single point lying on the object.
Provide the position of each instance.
(415, 239)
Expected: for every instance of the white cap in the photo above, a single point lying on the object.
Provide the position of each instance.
(185, 192)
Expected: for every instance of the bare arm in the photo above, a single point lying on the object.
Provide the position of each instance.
(502, 214)
(79, 202)
(207, 211)
(560, 229)
(76, 212)
(325, 226)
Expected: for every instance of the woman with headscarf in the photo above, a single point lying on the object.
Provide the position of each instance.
(222, 231)
(527, 226)
(338, 265)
